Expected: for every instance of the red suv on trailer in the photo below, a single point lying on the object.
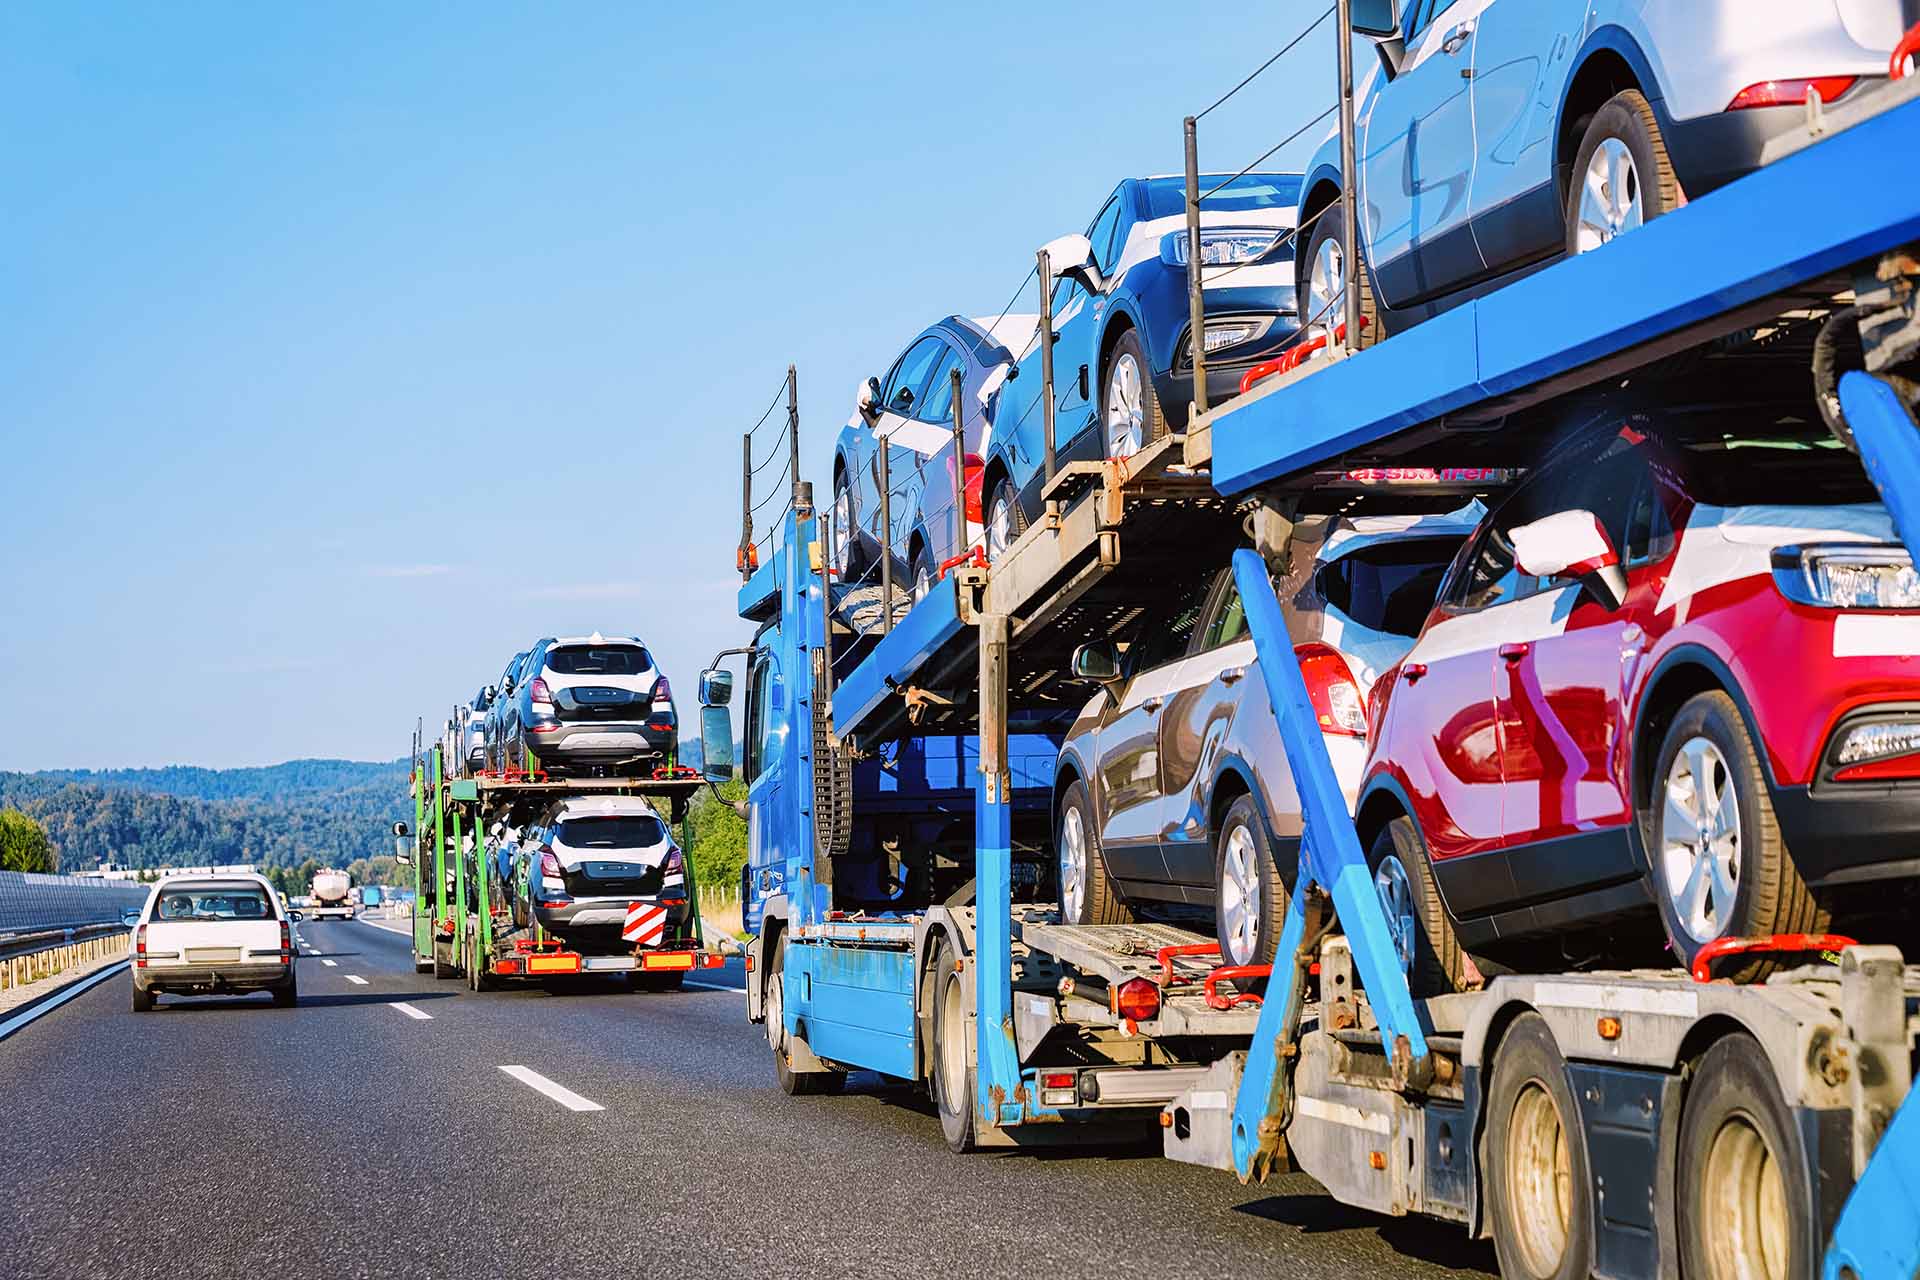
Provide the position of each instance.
(1678, 667)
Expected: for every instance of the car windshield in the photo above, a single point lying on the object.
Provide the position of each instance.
(594, 660)
(214, 902)
(1167, 197)
(1793, 467)
(615, 831)
(1390, 586)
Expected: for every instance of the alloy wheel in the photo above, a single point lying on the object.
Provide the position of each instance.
(1609, 196)
(999, 527)
(1396, 899)
(922, 583)
(842, 528)
(1699, 839)
(1073, 864)
(1326, 289)
(1240, 896)
(1126, 408)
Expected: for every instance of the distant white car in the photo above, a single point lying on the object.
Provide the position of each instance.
(208, 935)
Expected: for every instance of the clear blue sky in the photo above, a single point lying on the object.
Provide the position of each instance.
(345, 349)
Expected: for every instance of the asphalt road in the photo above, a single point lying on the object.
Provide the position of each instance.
(349, 1137)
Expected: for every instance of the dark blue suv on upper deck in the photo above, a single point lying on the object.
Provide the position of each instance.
(1123, 364)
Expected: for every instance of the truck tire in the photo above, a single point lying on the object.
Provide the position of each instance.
(951, 1077)
(1087, 894)
(422, 965)
(142, 999)
(441, 969)
(795, 1084)
(1538, 1195)
(479, 976)
(1741, 1172)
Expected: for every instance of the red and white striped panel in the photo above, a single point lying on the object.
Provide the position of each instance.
(646, 924)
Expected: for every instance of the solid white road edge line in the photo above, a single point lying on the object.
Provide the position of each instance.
(714, 986)
(48, 1005)
(412, 1012)
(559, 1093)
(356, 980)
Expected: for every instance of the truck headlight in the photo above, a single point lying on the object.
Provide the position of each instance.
(1847, 575)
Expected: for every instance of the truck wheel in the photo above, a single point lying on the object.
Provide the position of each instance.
(287, 994)
(421, 965)
(1536, 1159)
(1741, 1173)
(441, 969)
(794, 1084)
(1087, 894)
(952, 1079)
(479, 976)
(142, 1000)
(1429, 952)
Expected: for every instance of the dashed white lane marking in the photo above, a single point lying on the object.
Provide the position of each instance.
(330, 964)
(356, 980)
(559, 1093)
(412, 1012)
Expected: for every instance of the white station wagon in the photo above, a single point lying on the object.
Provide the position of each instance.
(208, 935)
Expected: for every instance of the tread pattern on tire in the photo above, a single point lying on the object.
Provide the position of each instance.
(1105, 903)
(1633, 104)
(1439, 963)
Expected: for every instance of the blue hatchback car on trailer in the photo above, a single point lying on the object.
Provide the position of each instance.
(1123, 364)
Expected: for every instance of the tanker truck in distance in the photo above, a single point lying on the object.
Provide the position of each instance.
(331, 894)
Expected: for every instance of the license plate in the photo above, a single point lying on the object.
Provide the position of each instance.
(212, 955)
(609, 963)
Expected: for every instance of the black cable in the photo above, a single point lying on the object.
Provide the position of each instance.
(1287, 48)
(1268, 153)
(776, 492)
(1293, 233)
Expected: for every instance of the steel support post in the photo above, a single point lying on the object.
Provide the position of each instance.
(960, 465)
(482, 889)
(886, 538)
(793, 430)
(1349, 244)
(997, 1064)
(746, 505)
(422, 929)
(1196, 302)
(459, 880)
(1889, 444)
(1043, 268)
(439, 855)
(1330, 856)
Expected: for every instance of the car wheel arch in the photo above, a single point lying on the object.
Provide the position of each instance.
(1070, 771)
(1680, 675)
(1610, 62)
(1379, 803)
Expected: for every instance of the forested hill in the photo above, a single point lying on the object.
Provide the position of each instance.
(333, 811)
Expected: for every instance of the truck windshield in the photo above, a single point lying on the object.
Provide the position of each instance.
(1167, 197)
(620, 660)
(627, 831)
(215, 902)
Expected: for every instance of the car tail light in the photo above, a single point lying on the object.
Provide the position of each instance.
(1337, 702)
(140, 947)
(1790, 93)
(976, 473)
(550, 866)
(539, 693)
(1138, 999)
(662, 695)
(675, 863)
(286, 943)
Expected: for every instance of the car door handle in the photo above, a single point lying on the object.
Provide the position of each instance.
(1232, 675)
(1514, 652)
(1457, 38)
(1413, 671)
(1151, 705)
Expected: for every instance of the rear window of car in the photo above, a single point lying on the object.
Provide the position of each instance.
(1788, 468)
(624, 831)
(1167, 197)
(1390, 586)
(214, 902)
(600, 660)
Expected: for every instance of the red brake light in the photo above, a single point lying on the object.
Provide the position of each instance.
(550, 865)
(286, 941)
(1057, 1080)
(140, 947)
(976, 472)
(1138, 999)
(1337, 702)
(662, 693)
(538, 691)
(1790, 93)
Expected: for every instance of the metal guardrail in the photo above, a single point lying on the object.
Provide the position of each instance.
(29, 901)
(29, 957)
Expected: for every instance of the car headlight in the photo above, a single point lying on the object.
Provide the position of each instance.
(1220, 248)
(1228, 335)
(1847, 575)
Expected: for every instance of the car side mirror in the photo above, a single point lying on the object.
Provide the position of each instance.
(1072, 257)
(867, 398)
(1098, 661)
(716, 744)
(716, 687)
(1572, 546)
(487, 695)
(294, 915)
(1376, 19)
(130, 917)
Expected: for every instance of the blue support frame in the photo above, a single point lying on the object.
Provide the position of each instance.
(1878, 1234)
(997, 1067)
(1889, 444)
(1330, 856)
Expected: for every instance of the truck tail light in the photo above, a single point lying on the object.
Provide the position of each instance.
(140, 947)
(1138, 999)
(1790, 93)
(976, 473)
(1056, 1089)
(1337, 702)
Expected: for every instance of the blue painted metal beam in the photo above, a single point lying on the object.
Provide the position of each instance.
(1878, 1234)
(1889, 446)
(1748, 240)
(899, 656)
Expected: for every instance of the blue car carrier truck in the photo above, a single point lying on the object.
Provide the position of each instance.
(898, 759)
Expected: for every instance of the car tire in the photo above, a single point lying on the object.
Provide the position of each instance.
(795, 1084)
(920, 571)
(287, 994)
(1712, 886)
(1130, 414)
(950, 1077)
(1621, 141)
(1416, 916)
(1326, 240)
(142, 999)
(1250, 894)
(844, 561)
(1088, 895)
(1005, 520)
(1741, 1171)
(1538, 1196)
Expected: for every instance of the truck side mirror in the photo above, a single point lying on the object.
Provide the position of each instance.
(402, 845)
(1572, 546)
(716, 744)
(716, 687)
